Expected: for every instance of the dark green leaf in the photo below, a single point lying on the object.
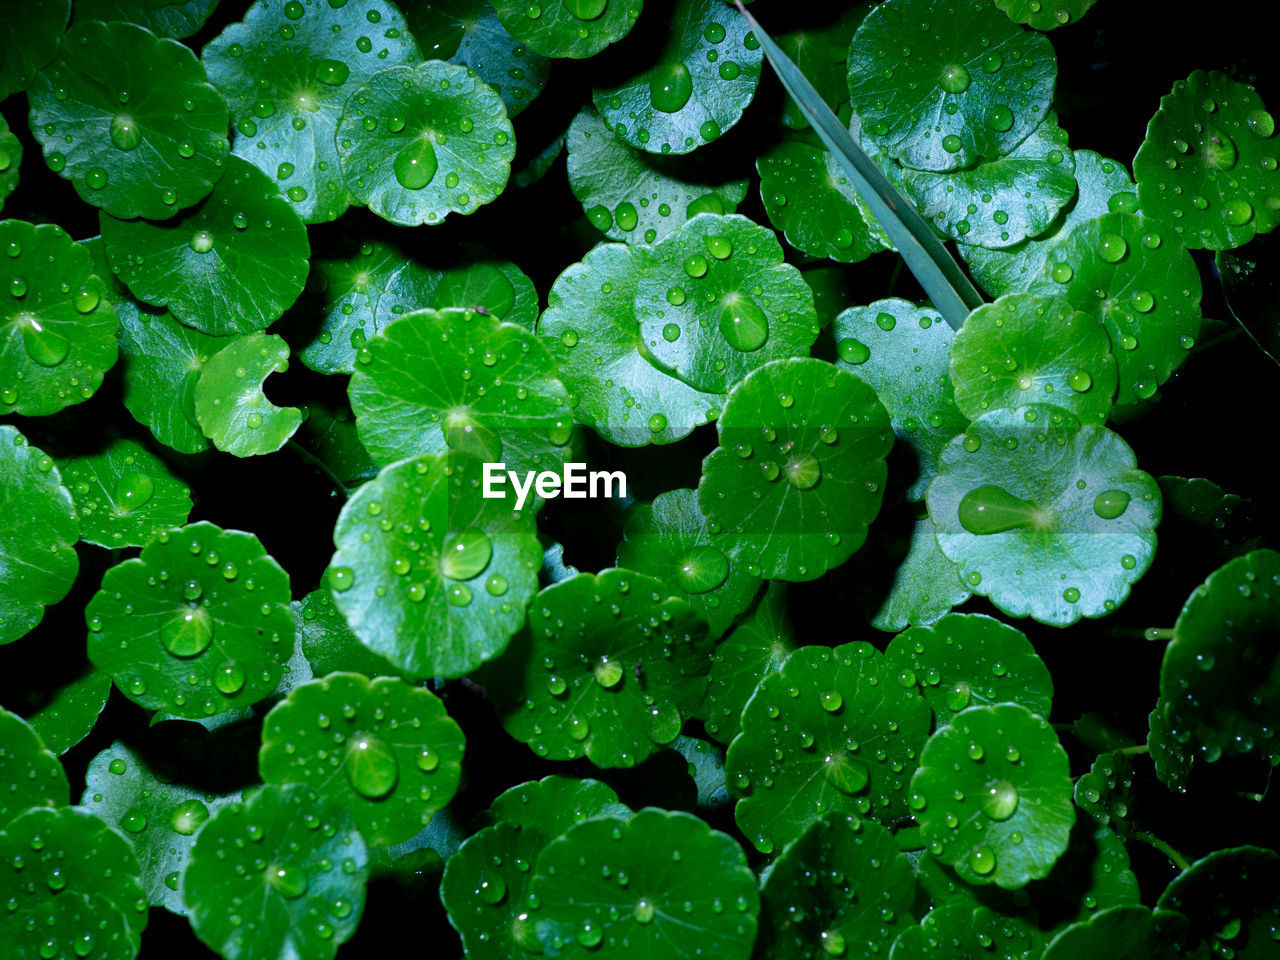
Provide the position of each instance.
(125, 495)
(568, 28)
(31, 774)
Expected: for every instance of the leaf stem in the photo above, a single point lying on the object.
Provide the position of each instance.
(1158, 634)
(1134, 750)
(1177, 859)
(320, 465)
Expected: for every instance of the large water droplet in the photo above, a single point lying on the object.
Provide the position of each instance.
(1217, 150)
(853, 351)
(586, 9)
(702, 569)
(415, 165)
(332, 73)
(44, 345)
(670, 87)
(955, 78)
(187, 817)
(1110, 504)
(133, 489)
(608, 673)
(188, 633)
(847, 774)
(466, 555)
(833, 943)
(992, 509)
(644, 910)
(289, 882)
(742, 323)
(802, 471)
(125, 133)
(1000, 800)
(371, 766)
(229, 679)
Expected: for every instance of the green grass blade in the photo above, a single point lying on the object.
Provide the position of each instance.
(943, 281)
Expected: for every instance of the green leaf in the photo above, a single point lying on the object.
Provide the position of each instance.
(939, 274)
(925, 585)
(287, 71)
(418, 143)
(494, 392)
(819, 49)
(967, 660)
(486, 882)
(963, 929)
(38, 532)
(91, 893)
(902, 351)
(1208, 163)
(668, 539)
(1033, 348)
(1045, 14)
(1135, 277)
(1017, 195)
(608, 668)
(715, 301)
(125, 495)
(1047, 518)
(468, 32)
(636, 196)
(197, 625)
(28, 42)
(1106, 791)
(295, 889)
(177, 19)
(568, 28)
(129, 145)
(1219, 690)
(158, 816)
(657, 884)
(232, 264)
(987, 83)
(697, 86)
(11, 159)
(705, 765)
(1172, 764)
(1252, 291)
(467, 566)
(992, 795)
(71, 712)
(31, 775)
(1130, 932)
(862, 898)
(1229, 900)
(58, 325)
(615, 385)
(844, 742)
(757, 646)
(385, 750)
(328, 642)
(1102, 186)
(230, 406)
(800, 471)
(808, 197)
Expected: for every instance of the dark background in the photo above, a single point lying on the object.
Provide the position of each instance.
(1216, 418)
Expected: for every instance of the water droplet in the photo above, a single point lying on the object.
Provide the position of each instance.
(1000, 801)
(1237, 212)
(492, 889)
(332, 73)
(802, 471)
(341, 578)
(188, 816)
(1112, 247)
(188, 633)
(853, 351)
(415, 165)
(955, 78)
(293, 10)
(586, 9)
(992, 509)
(201, 241)
(44, 345)
(742, 323)
(466, 555)
(1110, 504)
(229, 679)
(1080, 381)
(952, 143)
(134, 821)
(86, 300)
(626, 216)
(370, 766)
(982, 860)
(1062, 272)
(670, 87)
(833, 943)
(1000, 118)
(125, 133)
(847, 774)
(831, 700)
(1261, 124)
(608, 673)
(289, 882)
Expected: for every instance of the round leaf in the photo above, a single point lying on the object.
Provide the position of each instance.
(808, 197)
(963, 929)
(468, 32)
(1129, 932)
(230, 406)
(89, 892)
(1045, 14)
(862, 898)
(10, 160)
(418, 143)
(1230, 901)
(159, 817)
(1033, 348)
(1106, 791)
(197, 625)
(568, 28)
(327, 640)
(902, 351)
(615, 385)
(657, 884)
(429, 574)
(967, 660)
(993, 795)
(609, 668)
(1045, 517)
(178, 19)
(1017, 195)
(70, 712)
(820, 49)
(925, 584)
(30, 775)
(832, 732)
(130, 145)
(1208, 164)
(668, 539)
(125, 495)
(715, 301)
(287, 71)
(636, 196)
(58, 326)
(800, 471)
(1102, 186)
(38, 531)
(1219, 689)
(1135, 277)
(494, 392)
(385, 750)
(702, 81)
(757, 646)
(552, 805)
(28, 42)
(281, 874)
(232, 264)
(972, 86)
